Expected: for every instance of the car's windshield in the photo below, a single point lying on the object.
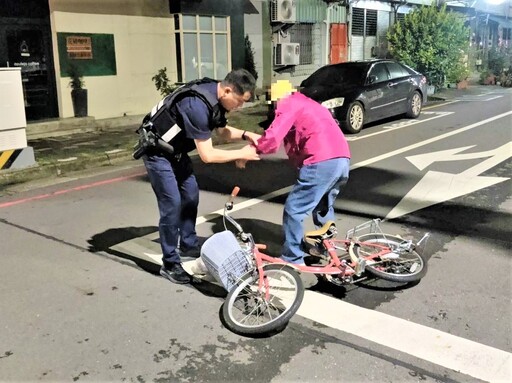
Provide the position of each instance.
(347, 74)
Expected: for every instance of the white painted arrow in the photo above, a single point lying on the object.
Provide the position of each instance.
(422, 161)
(436, 187)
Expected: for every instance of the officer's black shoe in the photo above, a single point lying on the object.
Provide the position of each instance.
(175, 273)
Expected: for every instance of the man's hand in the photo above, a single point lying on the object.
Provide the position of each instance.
(252, 137)
(248, 153)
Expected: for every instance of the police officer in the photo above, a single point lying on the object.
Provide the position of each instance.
(186, 119)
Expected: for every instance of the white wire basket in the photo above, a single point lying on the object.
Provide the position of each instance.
(225, 259)
(368, 227)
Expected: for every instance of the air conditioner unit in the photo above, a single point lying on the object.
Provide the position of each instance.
(283, 11)
(287, 54)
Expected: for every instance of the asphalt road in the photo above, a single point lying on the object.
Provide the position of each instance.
(81, 299)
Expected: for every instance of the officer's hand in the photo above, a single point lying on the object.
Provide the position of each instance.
(248, 153)
(252, 137)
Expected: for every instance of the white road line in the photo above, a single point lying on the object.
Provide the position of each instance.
(277, 193)
(398, 126)
(439, 105)
(245, 204)
(471, 98)
(459, 354)
(429, 141)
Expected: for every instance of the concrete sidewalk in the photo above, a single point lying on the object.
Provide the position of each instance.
(64, 146)
(68, 145)
(73, 145)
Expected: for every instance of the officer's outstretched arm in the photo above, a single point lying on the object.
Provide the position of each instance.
(230, 133)
(210, 154)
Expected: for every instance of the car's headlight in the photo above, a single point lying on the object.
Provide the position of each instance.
(334, 102)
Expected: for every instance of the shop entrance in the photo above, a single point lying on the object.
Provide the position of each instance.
(29, 48)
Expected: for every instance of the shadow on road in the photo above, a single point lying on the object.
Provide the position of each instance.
(103, 242)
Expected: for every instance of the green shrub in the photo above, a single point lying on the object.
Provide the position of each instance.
(249, 58)
(498, 60)
(457, 73)
(162, 83)
(431, 40)
(76, 79)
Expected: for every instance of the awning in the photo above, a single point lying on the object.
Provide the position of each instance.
(504, 22)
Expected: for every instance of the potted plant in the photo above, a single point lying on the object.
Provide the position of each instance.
(457, 76)
(487, 77)
(78, 92)
(163, 84)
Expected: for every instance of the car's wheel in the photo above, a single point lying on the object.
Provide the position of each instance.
(355, 118)
(414, 108)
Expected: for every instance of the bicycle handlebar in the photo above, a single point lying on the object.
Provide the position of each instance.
(229, 202)
(235, 192)
(229, 206)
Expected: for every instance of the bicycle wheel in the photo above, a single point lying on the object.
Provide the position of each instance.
(397, 265)
(249, 310)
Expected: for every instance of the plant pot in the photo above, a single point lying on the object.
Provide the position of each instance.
(490, 80)
(79, 99)
(462, 84)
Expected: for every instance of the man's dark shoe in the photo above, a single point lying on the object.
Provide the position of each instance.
(194, 252)
(175, 273)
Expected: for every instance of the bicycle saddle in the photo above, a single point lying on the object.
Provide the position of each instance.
(315, 237)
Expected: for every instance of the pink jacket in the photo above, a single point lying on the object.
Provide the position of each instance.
(308, 130)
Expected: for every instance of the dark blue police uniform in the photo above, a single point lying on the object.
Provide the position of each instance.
(172, 177)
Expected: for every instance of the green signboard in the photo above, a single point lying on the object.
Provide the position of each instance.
(93, 54)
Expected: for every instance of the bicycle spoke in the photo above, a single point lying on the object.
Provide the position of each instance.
(252, 307)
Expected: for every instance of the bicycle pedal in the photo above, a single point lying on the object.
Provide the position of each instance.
(360, 267)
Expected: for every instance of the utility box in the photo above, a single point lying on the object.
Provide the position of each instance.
(14, 152)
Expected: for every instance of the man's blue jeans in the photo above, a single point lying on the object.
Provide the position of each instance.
(315, 191)
(177, 194)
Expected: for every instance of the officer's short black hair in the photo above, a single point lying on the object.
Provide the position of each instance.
(241, 80)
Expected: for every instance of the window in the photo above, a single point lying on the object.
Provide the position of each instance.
(371, 22)
(507, 33)
(358, 21)
(364, 22)
(380, 73)
(396, 70)
(303, 34)
(202, 46)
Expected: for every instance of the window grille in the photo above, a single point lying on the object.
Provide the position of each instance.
(371, 22)
(303, 34)
(358, 22)
(364, 22)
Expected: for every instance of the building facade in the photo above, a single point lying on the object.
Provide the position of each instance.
(119, 45)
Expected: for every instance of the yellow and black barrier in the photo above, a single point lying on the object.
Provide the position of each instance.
(8, 157)
(16, 158)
